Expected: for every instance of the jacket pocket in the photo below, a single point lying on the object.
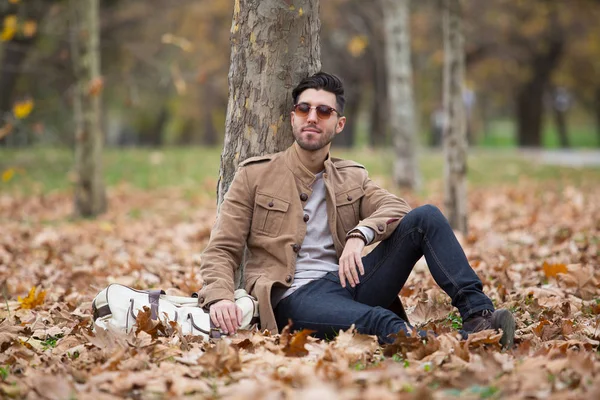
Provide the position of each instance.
(348, 207)
(269, 213)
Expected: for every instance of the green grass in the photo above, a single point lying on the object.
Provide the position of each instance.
(502, 134)
(195, 169)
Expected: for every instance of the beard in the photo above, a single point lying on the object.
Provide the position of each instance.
(312, 141)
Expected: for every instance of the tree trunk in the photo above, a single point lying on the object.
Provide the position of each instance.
(400, 92)
(209, 137)
(560, 119)
(351, 111)
(379, 109)
(530, 110)
(530, 97)
(90, 197)
(597, 113)
(274, 44)
(14, 53)
(455, 135)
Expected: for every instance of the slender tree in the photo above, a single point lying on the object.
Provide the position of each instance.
(274, 44)
(400, 91)
(455, 135)
(90, 196)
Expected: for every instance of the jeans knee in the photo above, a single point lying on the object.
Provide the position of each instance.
(423, 213)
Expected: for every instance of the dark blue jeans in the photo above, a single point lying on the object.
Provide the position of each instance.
(326, 307)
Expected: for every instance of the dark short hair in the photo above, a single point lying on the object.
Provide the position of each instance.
(322, 81)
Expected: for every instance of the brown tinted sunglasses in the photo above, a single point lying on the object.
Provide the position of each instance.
(323, 111)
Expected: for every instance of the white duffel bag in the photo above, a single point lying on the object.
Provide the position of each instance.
(118, 306)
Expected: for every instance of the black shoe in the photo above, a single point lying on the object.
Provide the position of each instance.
(488, 319)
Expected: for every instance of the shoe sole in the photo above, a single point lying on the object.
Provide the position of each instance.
(503, 319)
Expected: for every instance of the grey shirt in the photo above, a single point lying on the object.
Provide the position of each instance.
(317, 255)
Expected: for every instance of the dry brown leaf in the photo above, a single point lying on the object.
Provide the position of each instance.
(293, 344)
(221, 359)
(355, 346)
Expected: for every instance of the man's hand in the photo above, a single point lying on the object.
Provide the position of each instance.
(351, 261)
(226, 315)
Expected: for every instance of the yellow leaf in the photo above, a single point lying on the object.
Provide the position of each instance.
(357, 45)
(29, 28)
(33, 299)
(300, 11)
(14, 1)
(551, 270)
(9, 29)
(8, 174)
(22, 109)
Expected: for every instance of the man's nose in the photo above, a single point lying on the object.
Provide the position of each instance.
(312, 115)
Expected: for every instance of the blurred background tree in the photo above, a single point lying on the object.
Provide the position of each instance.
(532, 71)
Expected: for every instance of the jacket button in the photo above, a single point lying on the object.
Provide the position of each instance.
(306, 217)
(288, 278)
(349, 198)
(296, 248)
(303, 197)
(380, 227)
(271, 204)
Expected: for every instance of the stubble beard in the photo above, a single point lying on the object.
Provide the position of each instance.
(324, 139)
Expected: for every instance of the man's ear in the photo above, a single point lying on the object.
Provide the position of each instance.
(292, 118)
(340, 125)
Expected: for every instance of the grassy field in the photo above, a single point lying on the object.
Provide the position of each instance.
(45, 170)
(502, 134)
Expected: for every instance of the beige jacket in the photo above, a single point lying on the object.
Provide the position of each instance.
(263, 209)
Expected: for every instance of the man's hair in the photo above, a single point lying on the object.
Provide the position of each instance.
(322, 81)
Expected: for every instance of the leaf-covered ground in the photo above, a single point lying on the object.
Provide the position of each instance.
(535, 246)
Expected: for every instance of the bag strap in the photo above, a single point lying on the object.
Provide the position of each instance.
(153, 297)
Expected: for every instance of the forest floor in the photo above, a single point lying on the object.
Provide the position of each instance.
(534, 241)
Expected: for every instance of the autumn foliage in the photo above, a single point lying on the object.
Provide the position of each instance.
(535, 247)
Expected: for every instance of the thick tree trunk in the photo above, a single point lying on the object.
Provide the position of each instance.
(274, 44)
(400, 92)
(560, 119)
(597, 113)
(351, 111)
(90, 196)
(14, 54)
(209, 137)
(455, 135)
(530, 97)
(530, 110)
(379, 109)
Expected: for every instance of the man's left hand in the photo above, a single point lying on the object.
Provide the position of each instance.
(351, 262)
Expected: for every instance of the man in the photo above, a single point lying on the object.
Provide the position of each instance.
(305, 218)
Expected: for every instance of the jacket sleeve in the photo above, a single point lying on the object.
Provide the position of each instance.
(380, 210)
(223, 255)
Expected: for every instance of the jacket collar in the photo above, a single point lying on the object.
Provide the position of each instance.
(298, 169)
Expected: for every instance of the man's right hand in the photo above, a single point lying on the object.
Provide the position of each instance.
(226, 315)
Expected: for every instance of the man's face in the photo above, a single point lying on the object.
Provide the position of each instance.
(311, 132)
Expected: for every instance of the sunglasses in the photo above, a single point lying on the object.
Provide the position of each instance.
(323, 111)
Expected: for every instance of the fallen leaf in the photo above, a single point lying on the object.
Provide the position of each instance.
(33, 299)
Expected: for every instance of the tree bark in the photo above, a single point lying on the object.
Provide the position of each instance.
(400, 91)
(209, 137)
(530, 97)
(90, 196)
(560, 119)
(274, 44)
(351, 111)
(14, 54)
(597, 113)
(380, 107)
(455, 135)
